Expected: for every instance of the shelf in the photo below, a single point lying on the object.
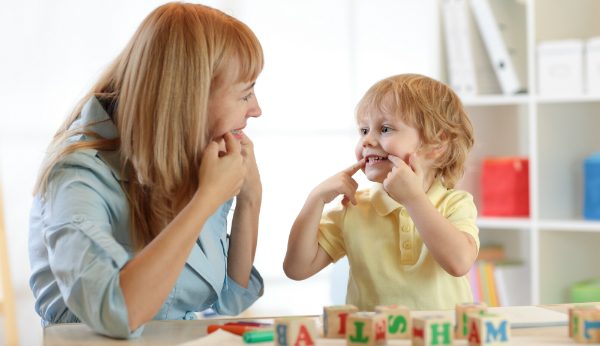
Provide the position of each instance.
(503, 222)
(495, 100)
(570, 225)
(567, 99)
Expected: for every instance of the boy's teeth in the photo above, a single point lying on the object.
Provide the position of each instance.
(373, 159)
(237, 132)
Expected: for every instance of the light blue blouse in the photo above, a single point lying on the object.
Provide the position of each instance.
(79, 241)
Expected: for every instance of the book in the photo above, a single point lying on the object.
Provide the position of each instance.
(512, 283)
(461, 69)
(495, 44)
(491, 283)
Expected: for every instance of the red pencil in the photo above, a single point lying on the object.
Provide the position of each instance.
(238, 330)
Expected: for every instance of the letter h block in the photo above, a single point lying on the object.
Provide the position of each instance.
(295, 332)
(487, 329)
(399, 323)
(366, 329)
(586, 326)
(461, 316)
(574, 307)
(432, 330)
(334, 320)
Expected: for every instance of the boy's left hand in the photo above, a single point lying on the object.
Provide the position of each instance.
(404, 182)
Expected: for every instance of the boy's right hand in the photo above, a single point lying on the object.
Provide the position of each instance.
(221, 174)
(340, 184)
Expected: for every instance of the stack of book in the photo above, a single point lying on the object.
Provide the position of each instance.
(498, 282)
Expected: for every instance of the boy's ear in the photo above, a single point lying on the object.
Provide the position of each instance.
(437, 151)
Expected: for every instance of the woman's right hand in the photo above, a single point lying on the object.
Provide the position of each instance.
(221, 177)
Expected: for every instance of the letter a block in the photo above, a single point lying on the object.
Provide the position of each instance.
(399, 323)
(461, 316)
(586, 326)
(574, 307)
(295, 332)
(432, 330)
(488, 329)
(366, 329)
(334, 320)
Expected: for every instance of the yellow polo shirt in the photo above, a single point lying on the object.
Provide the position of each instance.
(389, 263)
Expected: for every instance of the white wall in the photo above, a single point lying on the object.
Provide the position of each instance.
(321, 56)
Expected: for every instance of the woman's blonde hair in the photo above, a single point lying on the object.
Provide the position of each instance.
(158, 89)
(434, 110)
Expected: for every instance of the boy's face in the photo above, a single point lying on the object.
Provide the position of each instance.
(382, 134)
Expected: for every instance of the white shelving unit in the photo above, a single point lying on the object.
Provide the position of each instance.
(558, 246)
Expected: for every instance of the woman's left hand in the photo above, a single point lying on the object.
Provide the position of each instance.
(251, 190)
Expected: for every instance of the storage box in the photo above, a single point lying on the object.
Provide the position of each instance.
(586, 291)
(591, 182)
(592, 64)
(505, 186)
(560, 67)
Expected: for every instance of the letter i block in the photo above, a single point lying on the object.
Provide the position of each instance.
(461, 316)
(586, 327)
(488, 329)
(295, 332)
(574, 307)
(432, 330)
(399, 323)
(334, 320)
(366, 329)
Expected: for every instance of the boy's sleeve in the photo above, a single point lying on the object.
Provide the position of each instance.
(462, 213)
(330, 234)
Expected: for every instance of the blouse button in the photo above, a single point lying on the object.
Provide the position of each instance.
(190, 316)
(406, 245)
(77, 218)
(404, 213)
(405, 229)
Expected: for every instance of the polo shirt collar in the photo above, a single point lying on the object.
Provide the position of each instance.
(384, 204)
(94, 118)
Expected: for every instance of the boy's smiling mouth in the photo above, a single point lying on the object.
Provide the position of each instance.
(373, 160)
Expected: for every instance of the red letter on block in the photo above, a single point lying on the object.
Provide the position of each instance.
(304, 336)
(474, 335)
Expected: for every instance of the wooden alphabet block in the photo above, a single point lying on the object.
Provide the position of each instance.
(366, 329)
(432, 330)
(487, 329)
(586, 326)
(295, 332)
(578, 306)
(334, 320)
(461, 316)
(399, 323)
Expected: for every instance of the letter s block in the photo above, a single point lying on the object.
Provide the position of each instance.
(366, 329)
(334, 320)
(399, 323)
(461, 316)
(487, 329)
(295, 332)
(432, 330)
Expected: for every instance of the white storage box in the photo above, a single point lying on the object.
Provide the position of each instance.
(560, 67)
(592, 73)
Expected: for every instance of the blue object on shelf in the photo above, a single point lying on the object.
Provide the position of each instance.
(591, 209)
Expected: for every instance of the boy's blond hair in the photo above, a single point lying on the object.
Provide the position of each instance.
(434, 110)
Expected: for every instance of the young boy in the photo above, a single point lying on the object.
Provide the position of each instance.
(411, 237)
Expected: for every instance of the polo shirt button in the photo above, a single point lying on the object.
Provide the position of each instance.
(77, 218)
(405, 229)
(406, 245)
(404, 213)
(190, 316)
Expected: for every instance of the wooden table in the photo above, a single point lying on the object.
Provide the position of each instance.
(175, 332)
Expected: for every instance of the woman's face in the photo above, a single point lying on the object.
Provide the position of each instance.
(229, 107)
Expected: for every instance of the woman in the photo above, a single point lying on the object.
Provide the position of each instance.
(128, 222)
